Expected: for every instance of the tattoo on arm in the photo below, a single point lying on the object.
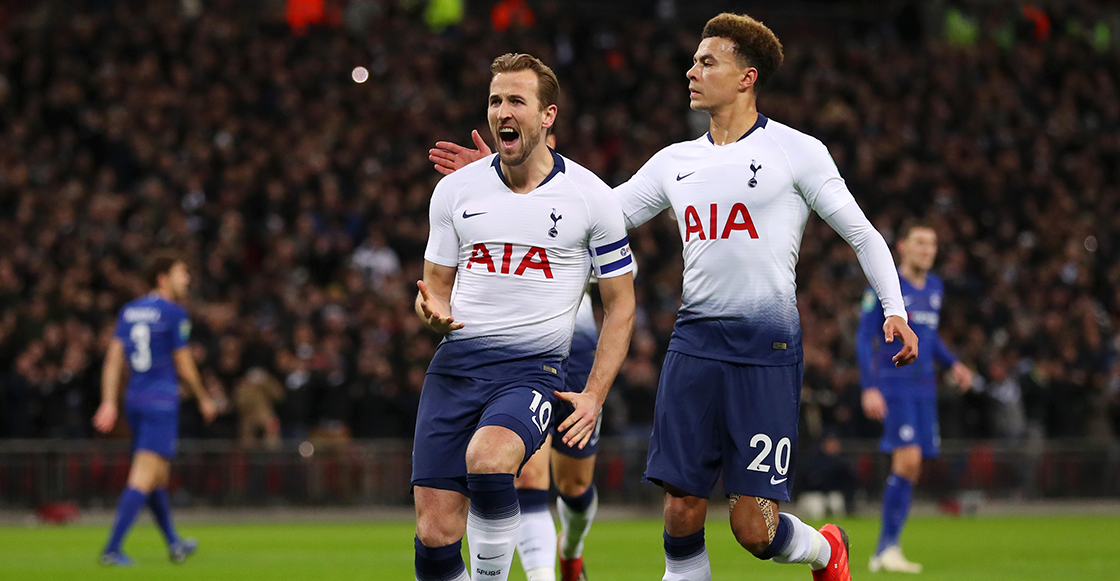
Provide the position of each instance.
(768, 514)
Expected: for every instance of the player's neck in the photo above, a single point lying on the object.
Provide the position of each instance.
(164, 294)
(914, 275)
(525, 178)
(733, 121)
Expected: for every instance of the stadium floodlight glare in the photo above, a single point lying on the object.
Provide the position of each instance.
(359, 74)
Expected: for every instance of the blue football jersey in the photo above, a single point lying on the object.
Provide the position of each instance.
(923, 308)
(152, 329)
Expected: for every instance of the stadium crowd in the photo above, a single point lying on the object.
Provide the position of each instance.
(300, 196)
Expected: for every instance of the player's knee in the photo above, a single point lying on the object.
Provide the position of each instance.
(571, 484)
(684, 515)
(433, 533)
(752, 536)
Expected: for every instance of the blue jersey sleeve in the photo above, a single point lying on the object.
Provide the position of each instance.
(869, 337)
(941, 353)
(122, 329)
(181, 332)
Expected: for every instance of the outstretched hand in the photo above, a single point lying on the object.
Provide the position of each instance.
(450, 156)
(580, 425)
(106, 417)
(432, 308)
(896, 327)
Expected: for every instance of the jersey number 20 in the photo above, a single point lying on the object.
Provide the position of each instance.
(141, 335)
(781, 455)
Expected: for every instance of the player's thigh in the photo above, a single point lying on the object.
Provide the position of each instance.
(526, 407)
(761, 438)
(448, 415)
(685, 448)
(149, 471)
(534, 474)
(573, 476)
(441, 515)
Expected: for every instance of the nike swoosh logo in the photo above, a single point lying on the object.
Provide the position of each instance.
(466, 215)
(681, 177)
(481, 558)
(775, 482)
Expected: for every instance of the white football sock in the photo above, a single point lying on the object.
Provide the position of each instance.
(806, 545)
(574, 526)
(694, 568)
(492, 542)
(537, 542)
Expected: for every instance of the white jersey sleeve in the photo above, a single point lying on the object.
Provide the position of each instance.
(642, 197)
(443, 240)
(817, 179)
(873, 254)
(609, 246)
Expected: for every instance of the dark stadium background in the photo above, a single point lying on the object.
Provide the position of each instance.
(235, 131)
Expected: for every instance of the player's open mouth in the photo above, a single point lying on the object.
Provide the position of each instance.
(509, 136)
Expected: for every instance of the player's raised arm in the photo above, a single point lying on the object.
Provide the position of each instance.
(188, 372)
(433, 302)
(614, 340)
(106, 416)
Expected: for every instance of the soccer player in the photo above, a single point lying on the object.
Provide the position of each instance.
(728, 398)
(516, 236)
(152, 334)
(905, 400)
(573, 468)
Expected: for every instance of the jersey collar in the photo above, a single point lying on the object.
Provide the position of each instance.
(760, 123)
(557, 167)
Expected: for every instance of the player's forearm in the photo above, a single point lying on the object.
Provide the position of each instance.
(188, 372)
(874, 256)
(111, 372)
(614, 342)
(110, 381)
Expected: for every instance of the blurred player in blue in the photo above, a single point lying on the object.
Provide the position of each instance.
(905, 398)
(151, 335)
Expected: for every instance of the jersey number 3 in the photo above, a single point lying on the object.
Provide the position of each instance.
(141, 335)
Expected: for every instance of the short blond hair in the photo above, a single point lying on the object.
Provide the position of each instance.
(548, 86)
(755, 44)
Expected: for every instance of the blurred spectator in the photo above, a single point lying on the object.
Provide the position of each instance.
(301, 196)
(254, 397)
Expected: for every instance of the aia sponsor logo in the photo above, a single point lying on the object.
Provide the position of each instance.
(739, 219)
(534, 258)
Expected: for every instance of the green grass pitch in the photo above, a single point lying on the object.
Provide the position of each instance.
(987, 548)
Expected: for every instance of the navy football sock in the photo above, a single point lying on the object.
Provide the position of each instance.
(896, 507)
(440, 563)
(160, 503)
(128, 507)
(686, 557)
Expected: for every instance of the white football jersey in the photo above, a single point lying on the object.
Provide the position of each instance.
(523, 260)
(741, 209)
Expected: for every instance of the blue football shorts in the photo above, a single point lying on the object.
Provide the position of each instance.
(911, 421)
(154, 428)
(716, 418)
(452, 408)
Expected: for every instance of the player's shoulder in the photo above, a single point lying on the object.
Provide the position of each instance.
(467, 174)
(582, 178)
(934, 283)
(789, 138)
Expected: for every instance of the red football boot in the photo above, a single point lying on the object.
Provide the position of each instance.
(572, 569)
(837, 569)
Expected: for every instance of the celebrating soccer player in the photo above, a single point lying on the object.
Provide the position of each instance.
(728, 398)
(516, 236)
(905, 399)
(152, 334)
(572, 468)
